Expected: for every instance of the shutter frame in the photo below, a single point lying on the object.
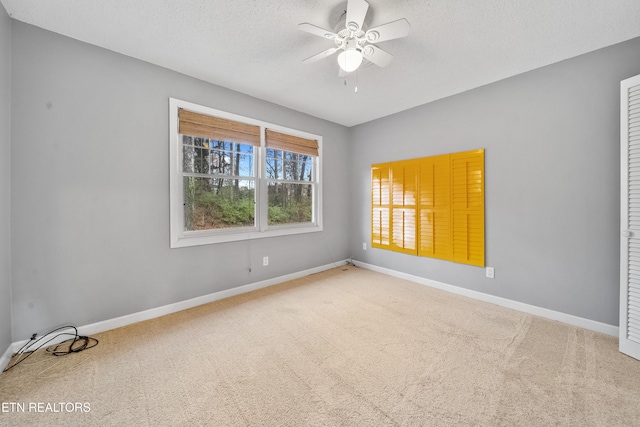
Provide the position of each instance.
(467, 207)
(381, 208)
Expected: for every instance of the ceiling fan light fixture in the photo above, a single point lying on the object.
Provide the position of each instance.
(349, 60)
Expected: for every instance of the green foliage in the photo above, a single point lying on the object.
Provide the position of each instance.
(216, 204)
(289, 204)
(277, 215)
(220, 203)
(293, 213)
(234, 213)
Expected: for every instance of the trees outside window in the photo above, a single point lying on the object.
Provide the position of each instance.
(289, 188)
(219, 184)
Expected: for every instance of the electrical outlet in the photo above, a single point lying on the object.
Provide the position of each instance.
(265, 261)
(490, 272)
(364, 246)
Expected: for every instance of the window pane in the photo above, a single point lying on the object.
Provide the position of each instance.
(187, 158)
(240, 164)
(244, 164)
(218, 145)
(187, 140)
(212, 203)
(274, 168)
(306, 168)
(221, 162)
(274, 153)
(290, 203)
(210, 156)
(201, 160)
(291, 170)
(299, 170)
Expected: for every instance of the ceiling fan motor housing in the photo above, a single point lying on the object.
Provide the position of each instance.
(350, 43)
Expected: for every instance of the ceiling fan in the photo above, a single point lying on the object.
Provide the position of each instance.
(356, 42)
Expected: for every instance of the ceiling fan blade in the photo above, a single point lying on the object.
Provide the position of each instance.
(376, 55)
(356, 12)
(320, 55)
(389, 31)
(313, 29)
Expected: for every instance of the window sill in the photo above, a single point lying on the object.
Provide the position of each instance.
(198, 238)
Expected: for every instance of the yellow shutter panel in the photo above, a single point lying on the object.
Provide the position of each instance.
(434, 207)
(467, 207)
(381, 207)
(403, 208)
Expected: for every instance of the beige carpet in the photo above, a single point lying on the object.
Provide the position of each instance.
(347, 347)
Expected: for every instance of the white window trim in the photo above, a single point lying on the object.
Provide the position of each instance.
(180, 238)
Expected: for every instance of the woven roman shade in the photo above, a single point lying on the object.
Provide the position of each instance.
(295, 144)
(196, 124)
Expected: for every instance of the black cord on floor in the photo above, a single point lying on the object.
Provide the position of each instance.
(75, 345)
(85, 344)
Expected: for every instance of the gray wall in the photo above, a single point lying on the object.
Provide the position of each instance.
(90, 188)
(5, 180)
(552, 181)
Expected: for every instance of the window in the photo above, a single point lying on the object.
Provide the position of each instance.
(235, 178)
(432, 206)
(290, 174)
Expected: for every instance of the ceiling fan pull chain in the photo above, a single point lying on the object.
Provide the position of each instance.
(356, 88)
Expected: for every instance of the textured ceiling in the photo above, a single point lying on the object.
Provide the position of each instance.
(255, 47)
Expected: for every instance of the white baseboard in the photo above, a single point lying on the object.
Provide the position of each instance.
(129, 319)
(6, 357)
(570, 319)
(152, 313)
